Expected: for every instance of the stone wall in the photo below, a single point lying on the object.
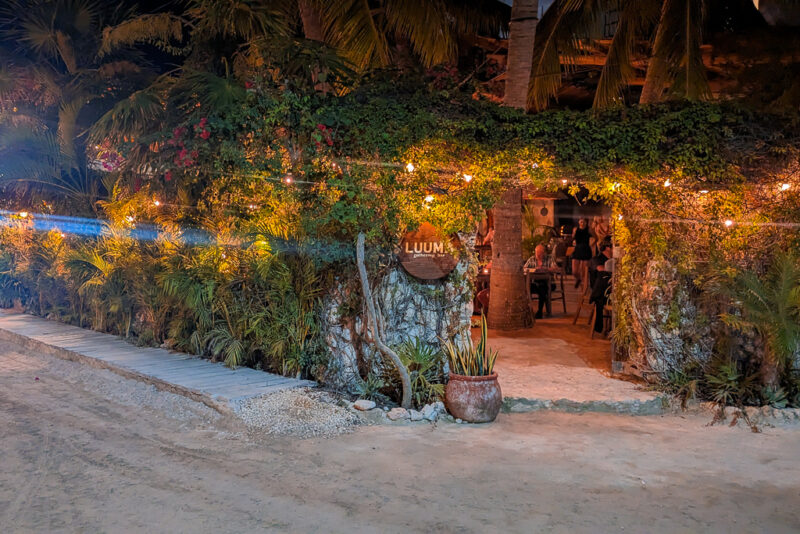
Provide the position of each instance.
(409, 309)
(668, 324)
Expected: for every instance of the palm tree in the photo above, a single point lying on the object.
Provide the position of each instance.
(60, 49)
(769, 306)
(674, 26)
(364, 30)
(508, 298)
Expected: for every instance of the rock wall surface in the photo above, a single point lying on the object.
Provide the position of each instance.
(408, 309)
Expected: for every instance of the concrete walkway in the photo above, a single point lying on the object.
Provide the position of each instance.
(557, 365)
(211, 383)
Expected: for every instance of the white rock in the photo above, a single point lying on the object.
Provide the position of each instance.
(439, 406)
(429, 412)
(415, 415)
(397, 413)
(363, 405)
(459, 421)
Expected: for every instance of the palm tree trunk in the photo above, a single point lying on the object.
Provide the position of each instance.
(312, 24)
(657, 76)
(522, 33)
(508, 297)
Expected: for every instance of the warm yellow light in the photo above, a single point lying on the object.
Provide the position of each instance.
(129, 218)
(486, 271)
(62, 234)
(410, 167)
(564, 181)
(467, 178)
(728, 223)
(703, 191)
(156, 203)
(429, 198)
(23, 214)
(784, 187)
(287, 179)
(619, 217)
(667, 183)
(535, 165)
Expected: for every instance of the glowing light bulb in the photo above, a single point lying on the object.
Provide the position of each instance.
(703, 191)
(667, 183)
(410, 167)
(564, 181)
(784, 187)
(287, 179)
(535, 165)
(23, 214)
(429, 198)
(467, 178)
(619, 217)
(130, 218)
(252, 206)
(486, 271)
(156, 203)
(728, 223)
(62, 234)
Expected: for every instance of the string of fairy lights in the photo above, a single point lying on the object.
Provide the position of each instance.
(288, 179)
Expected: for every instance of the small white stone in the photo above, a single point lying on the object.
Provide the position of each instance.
(429, 412)
(459, 421)
(363, 405)
(415, 415)
(398, 413)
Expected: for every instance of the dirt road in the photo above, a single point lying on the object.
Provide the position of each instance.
(83, 450)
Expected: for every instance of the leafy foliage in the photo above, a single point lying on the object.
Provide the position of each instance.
(470, 360)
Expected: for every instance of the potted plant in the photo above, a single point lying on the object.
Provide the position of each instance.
(472, 393)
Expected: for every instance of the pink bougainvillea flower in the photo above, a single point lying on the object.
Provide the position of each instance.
(248, 85)
(205, 134)
(321, 127)
(194, 154)
(203, 121)
(168, 176)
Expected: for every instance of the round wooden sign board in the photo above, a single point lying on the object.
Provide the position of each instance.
(427, 255)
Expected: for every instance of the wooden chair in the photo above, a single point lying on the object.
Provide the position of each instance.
(584, 303)
(558, 292)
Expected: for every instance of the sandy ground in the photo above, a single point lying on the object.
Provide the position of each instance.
(85, 451)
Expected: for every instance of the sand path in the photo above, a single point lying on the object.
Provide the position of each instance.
(85, 450)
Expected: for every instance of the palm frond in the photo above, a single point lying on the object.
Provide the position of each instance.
(635, 18)
(130, 117)
(428, 27)
(160, 30)
(349, 26)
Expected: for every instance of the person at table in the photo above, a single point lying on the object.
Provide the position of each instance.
(541, 262)
(601, 231)
(582, 254)
(600, 291)
(598, 262)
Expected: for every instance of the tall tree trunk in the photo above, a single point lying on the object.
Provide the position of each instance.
(657, 76)
(312, 24)
(522, 33)
(508, 297)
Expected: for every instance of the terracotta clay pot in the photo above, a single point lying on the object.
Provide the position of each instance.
(475, 399)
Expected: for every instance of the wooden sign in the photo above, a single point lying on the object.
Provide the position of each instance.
(427, 255)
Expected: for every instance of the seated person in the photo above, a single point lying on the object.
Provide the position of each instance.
(600, 292)
(598, 262)
(540, 262)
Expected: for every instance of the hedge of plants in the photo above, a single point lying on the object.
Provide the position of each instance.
(253, 201)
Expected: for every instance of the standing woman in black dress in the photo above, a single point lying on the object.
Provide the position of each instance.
(582, 254)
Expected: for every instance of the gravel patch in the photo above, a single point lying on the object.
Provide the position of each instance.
(299, 412)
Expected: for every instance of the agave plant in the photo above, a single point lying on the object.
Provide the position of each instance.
(471, 360)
